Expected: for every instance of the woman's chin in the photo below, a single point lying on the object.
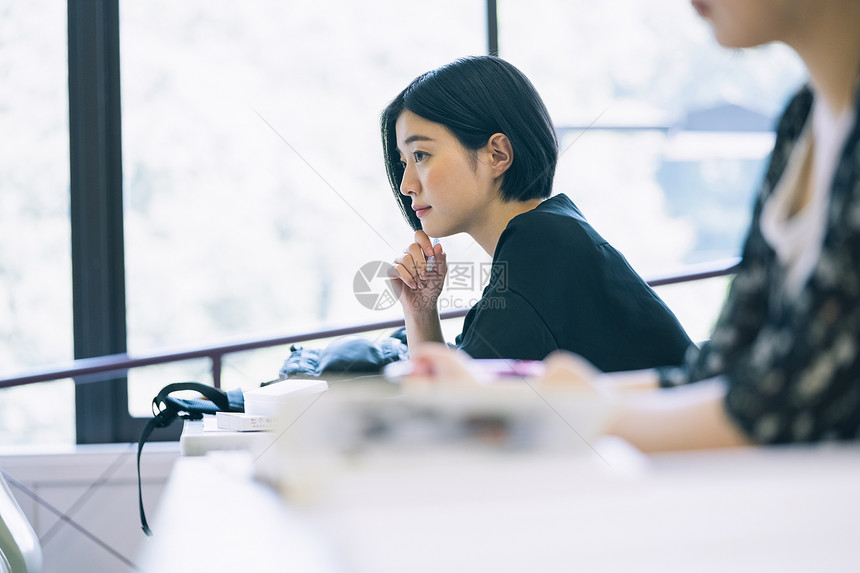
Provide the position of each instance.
(436, 230)
(431, 229)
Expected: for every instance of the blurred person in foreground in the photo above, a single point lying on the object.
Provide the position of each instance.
(782, 364)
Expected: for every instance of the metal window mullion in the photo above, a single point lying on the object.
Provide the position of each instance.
(98, 273)
(492, 28)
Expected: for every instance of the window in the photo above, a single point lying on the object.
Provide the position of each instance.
(664, 134)
(35, 259)
(253, 185)
(253, 173)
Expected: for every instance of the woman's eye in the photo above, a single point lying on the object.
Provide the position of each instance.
(419, 156)
(403, 165)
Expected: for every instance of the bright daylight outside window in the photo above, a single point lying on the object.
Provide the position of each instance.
(254, 182)
(35, 237)
(680, 129)
(254, 185)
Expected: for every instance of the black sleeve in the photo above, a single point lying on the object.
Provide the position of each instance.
(504, 325)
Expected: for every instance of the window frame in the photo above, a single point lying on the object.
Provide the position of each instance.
(96, 194)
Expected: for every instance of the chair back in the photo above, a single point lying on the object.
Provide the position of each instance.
(20, 550)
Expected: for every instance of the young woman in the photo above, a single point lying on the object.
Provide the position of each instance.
(783, 363)
(470, 148)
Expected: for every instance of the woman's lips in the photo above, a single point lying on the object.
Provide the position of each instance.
(420, 210)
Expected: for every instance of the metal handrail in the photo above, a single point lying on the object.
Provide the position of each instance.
(103, 367)
(702, 271)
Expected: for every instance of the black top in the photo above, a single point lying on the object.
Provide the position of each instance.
(557, 284)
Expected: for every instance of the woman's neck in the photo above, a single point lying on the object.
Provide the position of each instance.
(828, 42)
(498, 215)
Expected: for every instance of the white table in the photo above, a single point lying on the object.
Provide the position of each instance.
(784, 510)
(200, 437)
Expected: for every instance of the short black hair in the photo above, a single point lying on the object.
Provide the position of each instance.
(474, 98)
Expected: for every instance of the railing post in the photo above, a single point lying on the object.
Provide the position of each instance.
(216, 370)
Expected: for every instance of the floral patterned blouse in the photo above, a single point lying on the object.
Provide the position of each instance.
(792, 364)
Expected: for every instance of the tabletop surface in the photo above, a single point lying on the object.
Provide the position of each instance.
(750, 509)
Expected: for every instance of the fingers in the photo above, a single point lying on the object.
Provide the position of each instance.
(437, 250)
(411, 267)
(424, 243)
(420, 260)
(440, 363)
(415, 256)
(563, 369)
(437, 265)
(401, 271)
(396, 281)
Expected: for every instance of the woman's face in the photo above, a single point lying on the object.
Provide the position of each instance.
(747, 23)
(450, 191)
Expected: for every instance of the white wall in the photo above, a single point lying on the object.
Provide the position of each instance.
(94, 489)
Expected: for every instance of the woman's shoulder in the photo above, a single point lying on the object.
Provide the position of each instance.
(556, 222)
(558, 214)
(545, 249)
(558, 206)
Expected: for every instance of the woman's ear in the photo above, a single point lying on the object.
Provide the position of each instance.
(501, 153)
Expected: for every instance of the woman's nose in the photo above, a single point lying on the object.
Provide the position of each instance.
(409, 183)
